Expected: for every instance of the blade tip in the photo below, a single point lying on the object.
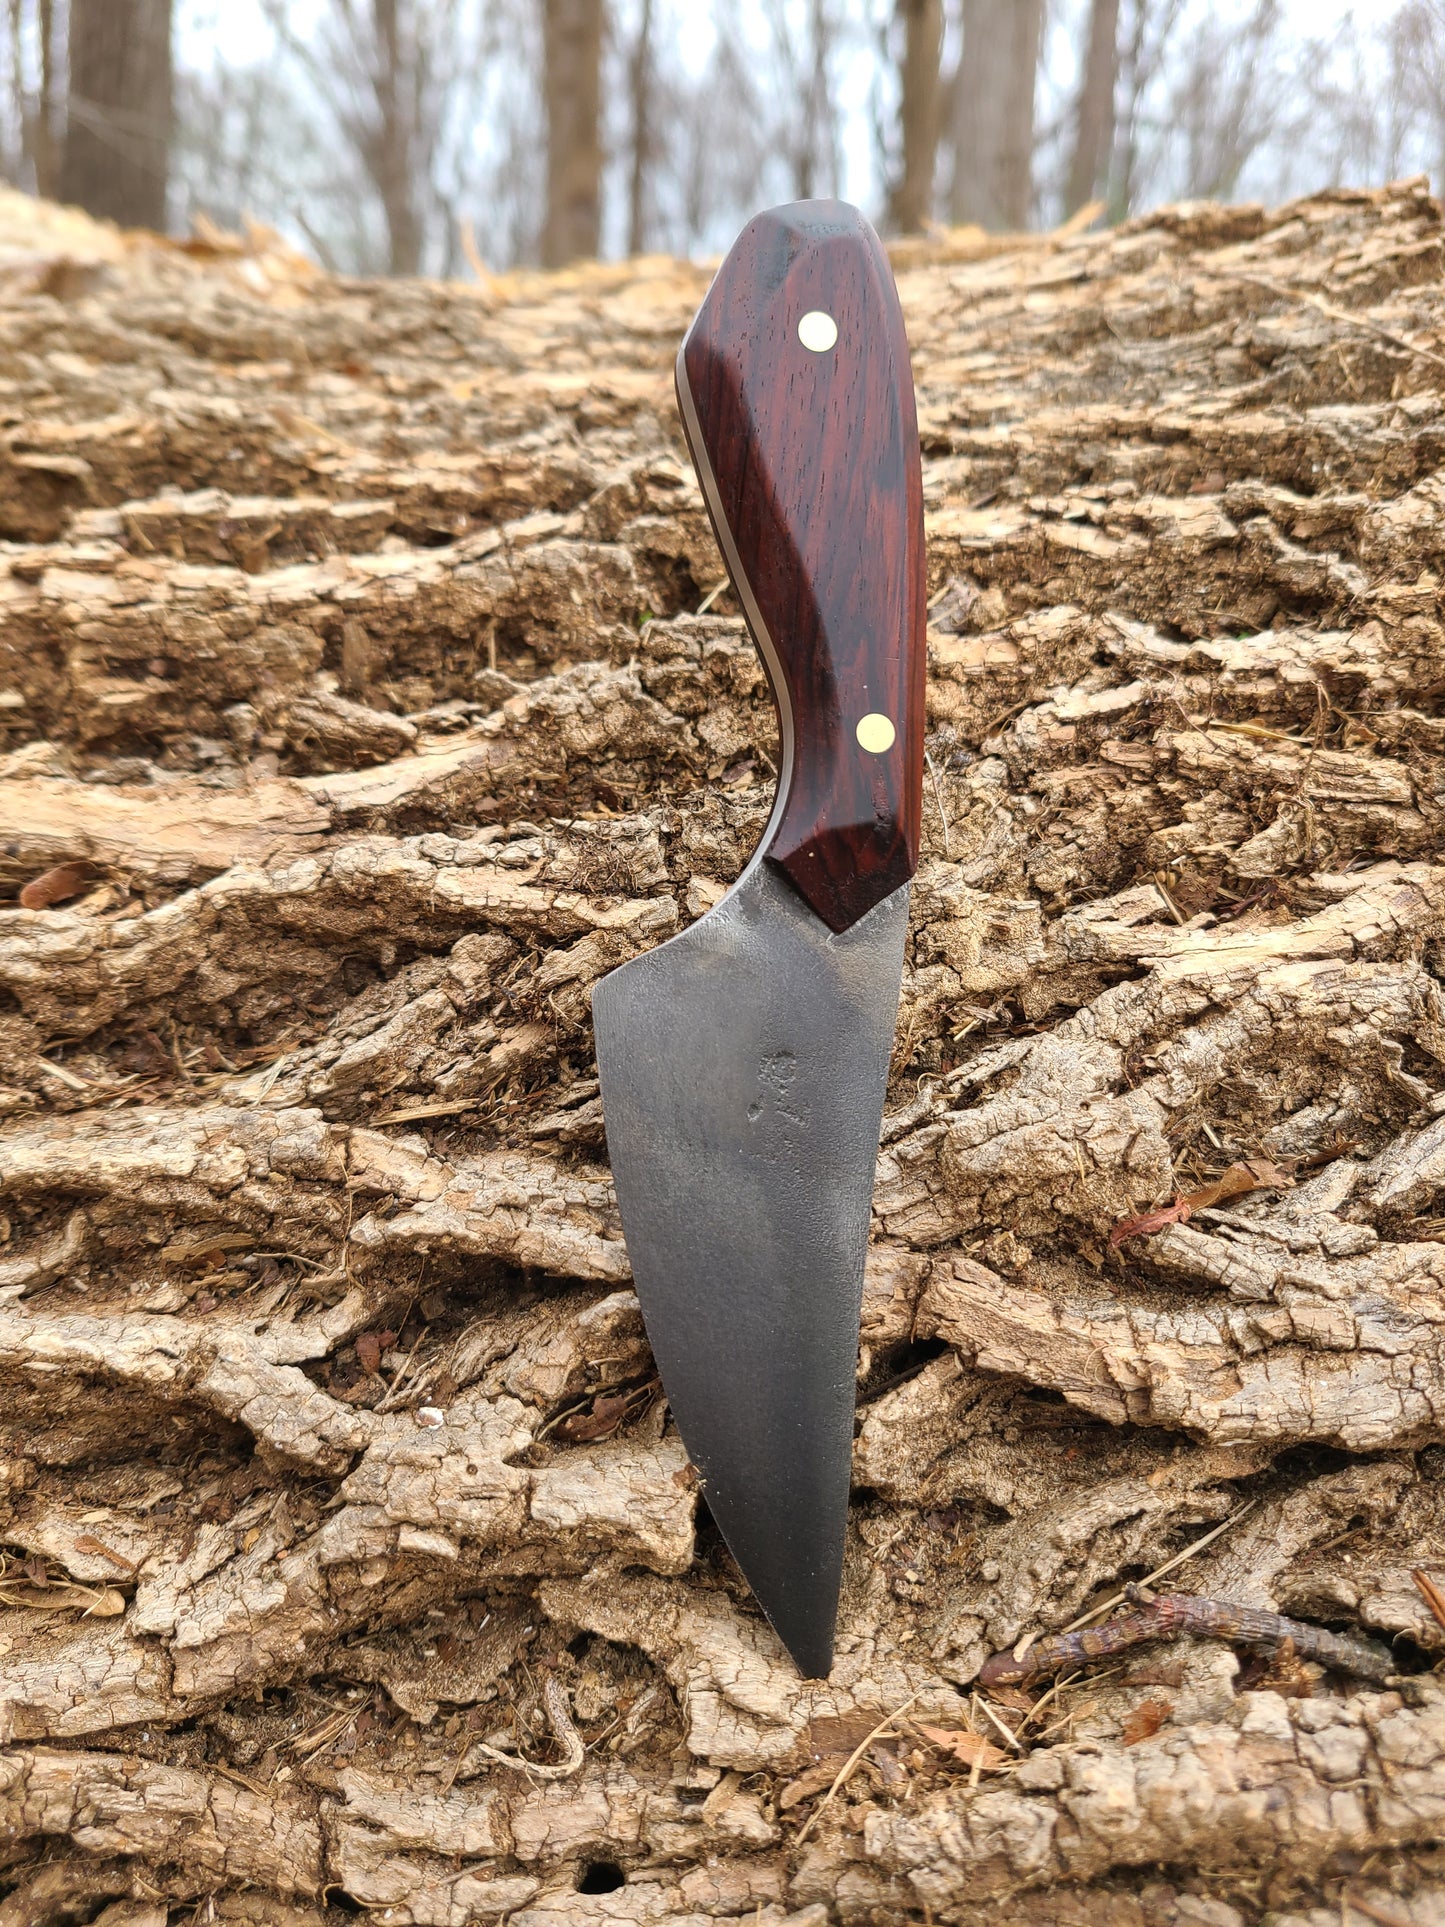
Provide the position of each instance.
(812, 1655)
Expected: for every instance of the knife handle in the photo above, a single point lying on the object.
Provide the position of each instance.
(796, 393)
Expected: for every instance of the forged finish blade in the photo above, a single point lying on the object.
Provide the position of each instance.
(744, 1065)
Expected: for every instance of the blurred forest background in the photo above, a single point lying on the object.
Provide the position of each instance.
(421, 136)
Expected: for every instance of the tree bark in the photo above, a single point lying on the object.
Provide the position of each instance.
(993, 113)
(921, 95)
(572, 89)
(1094, 109)
(119, 110)
(331, 1449)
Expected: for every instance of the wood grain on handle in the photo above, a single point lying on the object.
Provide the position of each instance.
(809, 459)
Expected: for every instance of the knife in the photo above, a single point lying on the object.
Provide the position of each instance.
(744, 1062)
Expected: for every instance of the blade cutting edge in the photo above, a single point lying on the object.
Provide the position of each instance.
(744, 1065)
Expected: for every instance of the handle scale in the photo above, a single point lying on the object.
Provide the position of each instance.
(796, 393)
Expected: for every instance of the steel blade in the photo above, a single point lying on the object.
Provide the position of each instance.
(744, 1065)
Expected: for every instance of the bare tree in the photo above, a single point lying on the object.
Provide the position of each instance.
(642, 102)
(719, 144)
(384, 115)
(572, 97)
(1143, 45)
(805, 121)
(35, 52)
(1376, 99)
(1418, 57)
(993, 112)
(1094, 110)
(373, 63)
(119, 110)
(1224, 102)
(910, 200)
(385, 124)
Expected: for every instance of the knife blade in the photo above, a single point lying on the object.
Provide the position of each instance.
(744, 1063)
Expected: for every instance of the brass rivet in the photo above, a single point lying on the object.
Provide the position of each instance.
(817, 331)
(876, 733)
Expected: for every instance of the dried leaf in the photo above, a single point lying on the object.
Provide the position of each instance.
(54, 886)
(969, 1749)
(607, 1413)
(1013, 1699)
(1287, 1674)
(368, 1351)
(1248, 1174)
(1145, 1721)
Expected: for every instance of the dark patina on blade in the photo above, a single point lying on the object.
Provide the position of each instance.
(744, 1065)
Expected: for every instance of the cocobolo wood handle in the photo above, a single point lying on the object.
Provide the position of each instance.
(797, 397)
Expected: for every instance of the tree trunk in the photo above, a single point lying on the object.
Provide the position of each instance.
(993, 113)
(817, 153)
(572, 87)
(390, 150)
(47, 138)
(337, 764)
(911, 202)
(118, 113)
(640, 89)
(1094, 110)
(38, 111)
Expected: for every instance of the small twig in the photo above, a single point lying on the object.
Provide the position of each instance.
(1372, 1910)
(711, 597)
(942, 812)
(326, 1733)
(631, 1736)
(1169, 904)
(402, 1373)
(555, 1700)
(87, 1542)
(1431, 1593)
(1010, 1737)
(1118, 1598)
(850, 1766)
(253, 1786)
(1060, 1684)
(1178, 1614)
(1282, 292)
